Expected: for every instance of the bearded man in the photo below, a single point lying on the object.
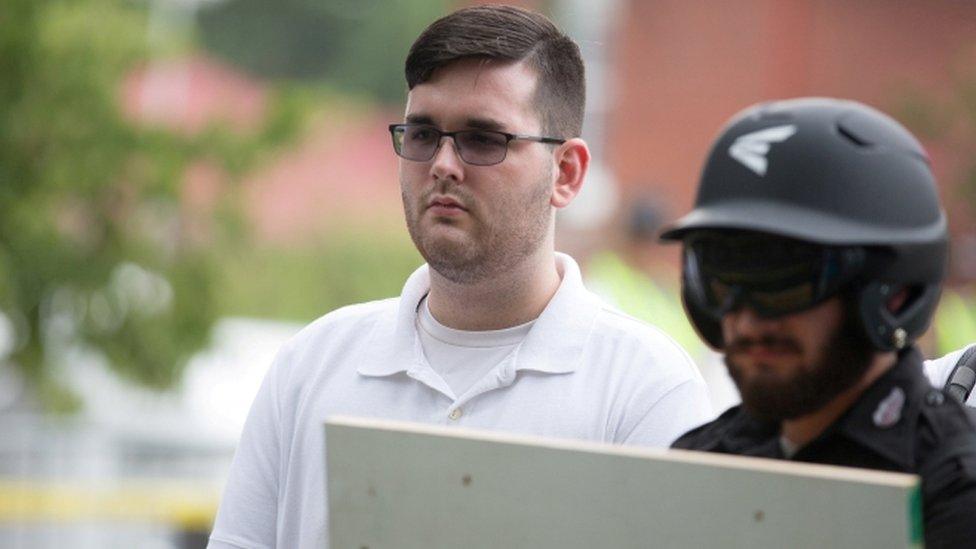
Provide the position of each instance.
(814, 258)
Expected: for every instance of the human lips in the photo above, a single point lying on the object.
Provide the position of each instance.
(445, 205)
(764, 354)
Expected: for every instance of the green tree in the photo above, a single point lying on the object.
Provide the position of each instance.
(949, 119)
(93, 246)
(356, 46)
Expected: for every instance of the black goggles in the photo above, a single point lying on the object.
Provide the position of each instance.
(773, 276)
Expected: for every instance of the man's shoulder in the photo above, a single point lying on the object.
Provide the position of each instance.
(946, 461)
(348, 321)
(356, 312)
(707, 436)
(943, 419)
(336, 338)
(642, 345)
(612, 324)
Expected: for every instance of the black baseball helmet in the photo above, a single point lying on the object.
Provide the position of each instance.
(834, 173)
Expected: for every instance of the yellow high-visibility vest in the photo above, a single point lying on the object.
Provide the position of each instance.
(635, 293)
(955, 321)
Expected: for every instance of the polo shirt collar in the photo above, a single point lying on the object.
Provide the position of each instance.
(392, 347)
(554, 344)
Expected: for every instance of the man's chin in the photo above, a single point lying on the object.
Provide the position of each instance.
(457, 260)
(771, 397)
(437, 232)
(780, 399)
(767, 360)
(447, 246)
(768, 375)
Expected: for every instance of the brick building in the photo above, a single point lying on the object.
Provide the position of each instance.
(679, 69)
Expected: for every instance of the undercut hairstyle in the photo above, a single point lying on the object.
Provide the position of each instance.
(511, 34)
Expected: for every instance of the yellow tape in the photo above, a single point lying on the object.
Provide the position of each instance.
(189, 507)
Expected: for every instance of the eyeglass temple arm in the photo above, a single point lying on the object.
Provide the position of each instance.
(552, 140)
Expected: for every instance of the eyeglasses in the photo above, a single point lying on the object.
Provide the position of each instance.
(774, 276)
(419, 142)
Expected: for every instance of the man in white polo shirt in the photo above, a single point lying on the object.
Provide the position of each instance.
(496, 331)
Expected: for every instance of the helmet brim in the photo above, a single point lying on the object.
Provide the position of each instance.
(799, 223)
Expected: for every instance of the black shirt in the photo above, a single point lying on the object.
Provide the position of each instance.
(901, 424)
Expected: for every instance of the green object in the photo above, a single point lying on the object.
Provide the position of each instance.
(915, 522)
(638, 295)
(955, 321)
(354, 264)
(96, 248)
(355, 46)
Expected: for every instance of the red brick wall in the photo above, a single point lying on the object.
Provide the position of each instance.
(681, 68)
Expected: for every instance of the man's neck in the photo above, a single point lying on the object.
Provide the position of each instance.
(802, 430)
(507, 299)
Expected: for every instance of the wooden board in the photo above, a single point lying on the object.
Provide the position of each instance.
(402, 485)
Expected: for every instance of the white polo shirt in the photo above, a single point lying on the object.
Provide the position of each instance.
(584, 371)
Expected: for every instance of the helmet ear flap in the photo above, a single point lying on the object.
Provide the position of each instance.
(707, 327)
(893, 331)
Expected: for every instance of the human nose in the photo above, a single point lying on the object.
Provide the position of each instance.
(744, 321)
(446, 163)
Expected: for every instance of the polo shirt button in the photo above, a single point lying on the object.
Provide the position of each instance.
(455, 413)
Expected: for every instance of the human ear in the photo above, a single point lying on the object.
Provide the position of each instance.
(572, 160)
(897, 300)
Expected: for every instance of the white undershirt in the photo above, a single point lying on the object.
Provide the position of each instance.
(461, 357)
(788, 447)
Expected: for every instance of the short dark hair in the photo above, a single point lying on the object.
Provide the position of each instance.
(515, 34)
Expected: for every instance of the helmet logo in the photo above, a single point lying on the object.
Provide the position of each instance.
(751, 149)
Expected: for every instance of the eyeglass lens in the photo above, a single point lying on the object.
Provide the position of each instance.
(478, 147)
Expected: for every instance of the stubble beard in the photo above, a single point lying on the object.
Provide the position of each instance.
(846, 358)
(492, 246)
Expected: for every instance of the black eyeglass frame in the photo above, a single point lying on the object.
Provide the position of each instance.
(509, 137)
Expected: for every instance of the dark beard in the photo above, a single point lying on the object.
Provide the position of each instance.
(846, 358)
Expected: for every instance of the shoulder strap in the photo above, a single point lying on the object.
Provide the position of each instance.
(962, 379)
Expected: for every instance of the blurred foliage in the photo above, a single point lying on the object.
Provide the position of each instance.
(350, 266)
(356, 46)
(94, 245)
(955, 321)
(949, 120)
